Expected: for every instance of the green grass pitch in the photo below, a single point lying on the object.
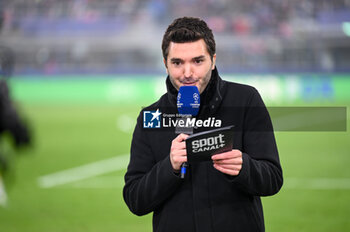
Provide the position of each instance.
(71, 132)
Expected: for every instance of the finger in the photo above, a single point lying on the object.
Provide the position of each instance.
(179, 159)
(230, 166)
(235, 161)
(227, 155)
(181, 145)
(179, 153)
(226, 171)
(178, 146)
(181, 137)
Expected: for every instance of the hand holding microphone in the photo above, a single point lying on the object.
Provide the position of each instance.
(188, 102)
(178, 153)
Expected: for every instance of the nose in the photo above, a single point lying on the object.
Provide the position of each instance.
(187, 70)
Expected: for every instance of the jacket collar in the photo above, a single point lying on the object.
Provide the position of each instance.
(211, 96)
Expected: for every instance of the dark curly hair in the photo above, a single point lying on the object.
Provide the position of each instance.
(188, 29)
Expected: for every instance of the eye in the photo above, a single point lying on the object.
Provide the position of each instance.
(198, 61)
(176, 63)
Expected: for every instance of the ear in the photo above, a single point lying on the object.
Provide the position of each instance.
(214, 62)
(166, 66)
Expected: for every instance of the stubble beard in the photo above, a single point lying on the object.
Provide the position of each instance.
(205, 81)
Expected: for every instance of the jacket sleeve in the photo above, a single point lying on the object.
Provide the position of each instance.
(147, 183)
(261, 173)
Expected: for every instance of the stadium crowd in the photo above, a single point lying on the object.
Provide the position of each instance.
(257, 35)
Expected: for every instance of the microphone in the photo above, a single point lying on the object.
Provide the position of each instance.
(188, 103)
(188, 100)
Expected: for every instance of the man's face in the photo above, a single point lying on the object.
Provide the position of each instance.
(189, 64)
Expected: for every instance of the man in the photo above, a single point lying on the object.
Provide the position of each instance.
(10, 121)
(12, 124)
(222, 195)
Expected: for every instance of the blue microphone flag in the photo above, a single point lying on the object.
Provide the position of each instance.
(188, 100)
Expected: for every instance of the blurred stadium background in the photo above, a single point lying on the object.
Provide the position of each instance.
(82, 69)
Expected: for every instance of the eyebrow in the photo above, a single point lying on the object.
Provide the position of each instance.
(175, 60)
(198, 57)
(194, 58)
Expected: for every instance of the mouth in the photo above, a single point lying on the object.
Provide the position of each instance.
(189, 83)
